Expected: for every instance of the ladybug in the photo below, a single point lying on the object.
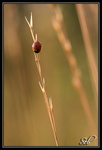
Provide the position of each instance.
(36, 47)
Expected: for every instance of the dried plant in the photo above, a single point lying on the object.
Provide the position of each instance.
(57, 21)
(88, 45)
(48, 101)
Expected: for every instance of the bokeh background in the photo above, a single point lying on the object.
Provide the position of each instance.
(26, 122)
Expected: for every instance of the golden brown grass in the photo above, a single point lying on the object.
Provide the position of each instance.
(48, 101)
(88, 46)
(57, 21)
(23, 103)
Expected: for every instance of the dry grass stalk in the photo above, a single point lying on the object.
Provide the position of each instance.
(48, 102)
(88, 45)
(57, 21)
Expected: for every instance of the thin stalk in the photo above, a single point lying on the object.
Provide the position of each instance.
(88, 46)
(57, 21)
(42, 84)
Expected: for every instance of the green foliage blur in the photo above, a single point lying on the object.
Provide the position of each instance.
(26, 122)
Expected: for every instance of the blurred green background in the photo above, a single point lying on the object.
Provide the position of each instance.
(26, 122)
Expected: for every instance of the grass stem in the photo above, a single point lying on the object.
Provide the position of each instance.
(88, 46)
(42, 84)
(57, 21)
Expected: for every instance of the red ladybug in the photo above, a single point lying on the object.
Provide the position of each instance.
(36, 47)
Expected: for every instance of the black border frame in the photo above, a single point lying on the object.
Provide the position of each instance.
(98, 75)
